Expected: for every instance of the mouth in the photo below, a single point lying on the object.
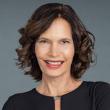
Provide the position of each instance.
(51, 64)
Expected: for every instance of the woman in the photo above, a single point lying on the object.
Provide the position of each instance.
(56, 50)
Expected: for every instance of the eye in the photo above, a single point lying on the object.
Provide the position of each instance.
(65, 41)
(42, 41)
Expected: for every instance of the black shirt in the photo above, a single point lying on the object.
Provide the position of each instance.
(88, 96)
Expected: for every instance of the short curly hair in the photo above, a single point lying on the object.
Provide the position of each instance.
(39, 22)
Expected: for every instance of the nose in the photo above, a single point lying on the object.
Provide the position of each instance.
(54, 50)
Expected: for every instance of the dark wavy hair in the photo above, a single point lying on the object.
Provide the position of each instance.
(39, 22)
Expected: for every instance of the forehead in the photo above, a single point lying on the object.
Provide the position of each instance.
(59, 28)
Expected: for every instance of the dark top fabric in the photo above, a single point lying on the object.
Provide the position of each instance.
(88, 96)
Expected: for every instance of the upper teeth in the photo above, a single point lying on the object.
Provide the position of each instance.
(50, 62)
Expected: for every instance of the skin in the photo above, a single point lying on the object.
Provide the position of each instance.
(56, 44)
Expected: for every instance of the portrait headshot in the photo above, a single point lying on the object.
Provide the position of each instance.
(57, 50)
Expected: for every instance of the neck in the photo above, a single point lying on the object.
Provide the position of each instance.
(57, 86)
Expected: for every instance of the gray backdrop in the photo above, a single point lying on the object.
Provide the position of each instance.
(14, 14)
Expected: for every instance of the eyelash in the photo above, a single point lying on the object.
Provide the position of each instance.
(66, 42)
(44, 41)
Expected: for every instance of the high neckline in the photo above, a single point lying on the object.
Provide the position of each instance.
(66, 94)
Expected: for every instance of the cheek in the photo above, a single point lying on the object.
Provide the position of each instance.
(41, 51)
(68, 52)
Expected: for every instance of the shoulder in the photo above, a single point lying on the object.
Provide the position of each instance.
(23, 95)
(101, 95)
(98, 85)
(102, 83)
(102, 87)
(102, 90)
(18, 99)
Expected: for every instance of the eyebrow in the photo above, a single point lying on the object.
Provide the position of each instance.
(50, 40)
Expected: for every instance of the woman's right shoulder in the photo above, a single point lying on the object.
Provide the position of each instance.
(21, 95)
(17, 99)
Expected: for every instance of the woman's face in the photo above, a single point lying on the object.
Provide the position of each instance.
(55, 49)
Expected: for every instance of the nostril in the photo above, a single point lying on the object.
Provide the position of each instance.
(53, 52)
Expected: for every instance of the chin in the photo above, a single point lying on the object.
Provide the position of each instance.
(53, 74)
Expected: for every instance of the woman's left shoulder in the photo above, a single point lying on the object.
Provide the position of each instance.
(102, 86)
(102, 95)
(102, 91)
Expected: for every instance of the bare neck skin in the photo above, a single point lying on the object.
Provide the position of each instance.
(57, 86)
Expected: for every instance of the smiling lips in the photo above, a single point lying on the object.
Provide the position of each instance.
(53, 64)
